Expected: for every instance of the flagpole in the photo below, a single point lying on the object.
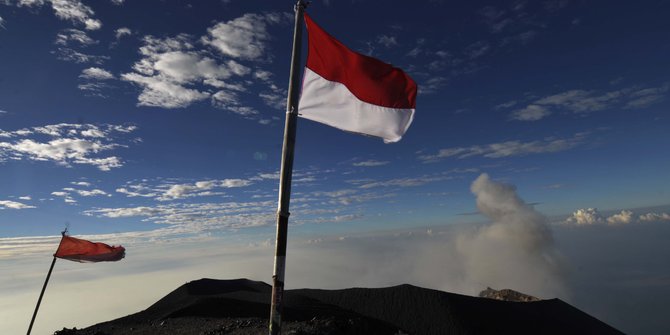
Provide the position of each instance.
(286, 174)
(39, 300)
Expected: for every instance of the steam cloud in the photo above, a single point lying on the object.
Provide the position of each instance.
(515, 251)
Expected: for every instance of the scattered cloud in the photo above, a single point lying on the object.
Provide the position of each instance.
(65, 144)
(25, 197)
(530, 113)
(121, 32)
(199, 217)
(583, 102)
(65, 195)
(508, 148)
(387, 41)
(168, 191)
(653, 217)
(13, 205)
(69, 36)
(71, 55)
(96, 81)
(370, 163)
(81, 183)
(591, 216)
(200, 188)
(96, 73)
(175, 72)
(70, 10)
(404, 182)
(245, 37)
(621, 218)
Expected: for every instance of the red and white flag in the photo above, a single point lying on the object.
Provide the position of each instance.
(84, 251)
(354, 92)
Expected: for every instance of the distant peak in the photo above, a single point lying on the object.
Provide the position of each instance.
(507, 295)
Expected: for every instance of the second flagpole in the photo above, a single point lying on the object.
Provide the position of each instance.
(286, 174)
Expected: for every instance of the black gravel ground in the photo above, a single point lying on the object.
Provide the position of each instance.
(241, 306)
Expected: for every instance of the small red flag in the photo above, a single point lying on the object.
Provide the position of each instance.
(84, 251)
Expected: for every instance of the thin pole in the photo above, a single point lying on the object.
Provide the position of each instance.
(286, 174)
(39, 301)
(46, 281)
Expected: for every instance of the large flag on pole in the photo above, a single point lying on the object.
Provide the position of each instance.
(84, 251)
(354, 92)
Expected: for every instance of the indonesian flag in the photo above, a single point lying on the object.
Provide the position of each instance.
(354, 92)
(84, 251)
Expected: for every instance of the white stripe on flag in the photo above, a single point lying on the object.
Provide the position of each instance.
(332, 103)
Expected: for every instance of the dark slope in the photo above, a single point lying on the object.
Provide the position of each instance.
(424, 311)
(241, 306)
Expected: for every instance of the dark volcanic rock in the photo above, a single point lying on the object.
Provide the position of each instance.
(507, 295)
(212, 307)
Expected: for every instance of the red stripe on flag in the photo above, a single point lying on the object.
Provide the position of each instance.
(78, 250)
(369, 79)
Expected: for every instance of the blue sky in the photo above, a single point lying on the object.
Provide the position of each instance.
(147, 122)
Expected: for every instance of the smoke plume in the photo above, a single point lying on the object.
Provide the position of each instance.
(516, 250)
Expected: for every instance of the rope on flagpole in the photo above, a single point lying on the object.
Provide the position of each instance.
(286, 174)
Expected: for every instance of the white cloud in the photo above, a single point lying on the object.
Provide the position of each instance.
(245, 37)
(65, 195)
(172, 191)
(530, 113)
(91, 193)
(13, 205)
(624, 217)
(74, 10)
(69, 145)
(174, 73)
(171, 69)
(81, 183)
(508, 148)
(121, 32)
(586, 216)
(653, 217)
(591, 216)
(370, 163)
(67, 36)
(96, 73)
(70, 55)
(262, 75)
(198, 217)
(157, 92)
(26, 197)
(125, 212)
(118, 2)
(583, 101)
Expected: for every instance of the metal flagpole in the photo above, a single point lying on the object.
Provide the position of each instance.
(286, 174)
(39, 300)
